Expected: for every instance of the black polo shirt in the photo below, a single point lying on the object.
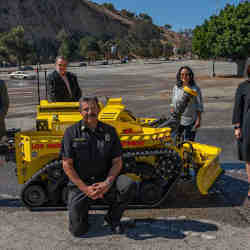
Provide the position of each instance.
(92, 152)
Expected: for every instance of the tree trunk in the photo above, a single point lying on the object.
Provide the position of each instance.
(213, 68)
(241, 67)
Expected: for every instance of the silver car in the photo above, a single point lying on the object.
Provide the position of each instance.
(22, 75)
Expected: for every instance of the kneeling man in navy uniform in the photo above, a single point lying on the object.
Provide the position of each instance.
(91, 153)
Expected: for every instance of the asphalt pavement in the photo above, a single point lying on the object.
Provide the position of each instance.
(187, 220)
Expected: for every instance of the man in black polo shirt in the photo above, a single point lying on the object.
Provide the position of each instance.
(91, 153)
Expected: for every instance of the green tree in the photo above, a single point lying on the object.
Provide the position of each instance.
(123, 48)
(226, 35)
(62, 36)
(145, 17)
(109, 6)
(104, 46)
(16, 45)
(168, 26)
(200, 46)
(127, 13)
(69, 44)
(4, 55)
(88, 44)
(65, 49)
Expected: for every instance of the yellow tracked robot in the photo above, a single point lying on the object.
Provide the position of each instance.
(151, 155)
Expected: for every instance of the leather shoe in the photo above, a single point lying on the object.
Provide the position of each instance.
(107, 220)
(115, 228)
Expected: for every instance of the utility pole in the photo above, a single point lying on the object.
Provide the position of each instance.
(216, 13)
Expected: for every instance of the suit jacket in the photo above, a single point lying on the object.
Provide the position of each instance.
(4, 106)
(57, 89)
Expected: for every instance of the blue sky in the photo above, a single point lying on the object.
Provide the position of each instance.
(180, 14)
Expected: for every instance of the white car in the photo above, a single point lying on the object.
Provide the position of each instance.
(22, 75)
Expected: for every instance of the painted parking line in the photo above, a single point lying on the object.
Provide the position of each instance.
(8, 196)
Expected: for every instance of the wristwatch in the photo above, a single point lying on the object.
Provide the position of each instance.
(236, 127)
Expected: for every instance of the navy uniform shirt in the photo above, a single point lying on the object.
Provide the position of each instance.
(92, 151)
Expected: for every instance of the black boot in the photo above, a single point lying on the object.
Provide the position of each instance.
(116, 228)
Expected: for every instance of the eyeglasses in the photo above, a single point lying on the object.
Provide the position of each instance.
(185, 74)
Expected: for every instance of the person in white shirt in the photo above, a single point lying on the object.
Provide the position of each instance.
(191, 118)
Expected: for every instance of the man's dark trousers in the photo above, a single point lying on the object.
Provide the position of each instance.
(117, 197)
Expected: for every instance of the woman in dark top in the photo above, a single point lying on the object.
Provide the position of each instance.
(241, 121)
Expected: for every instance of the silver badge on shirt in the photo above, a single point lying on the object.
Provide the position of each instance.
(107, 138)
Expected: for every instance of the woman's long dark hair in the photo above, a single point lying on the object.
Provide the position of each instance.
(191, 74)
(248, 71)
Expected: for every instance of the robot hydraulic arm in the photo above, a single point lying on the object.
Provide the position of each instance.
(173, 121)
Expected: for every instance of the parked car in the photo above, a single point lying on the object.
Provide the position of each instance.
(22, 75)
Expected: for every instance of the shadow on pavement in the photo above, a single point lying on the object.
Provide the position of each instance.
(143, 229)
(233, 165)
(228, 191)
(234, 188)
(10, 203)
(170, 229)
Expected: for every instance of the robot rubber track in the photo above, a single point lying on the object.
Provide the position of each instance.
(36, 195)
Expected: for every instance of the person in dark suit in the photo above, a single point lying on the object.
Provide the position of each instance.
(4, 106)
(63, 85)
(241, 122)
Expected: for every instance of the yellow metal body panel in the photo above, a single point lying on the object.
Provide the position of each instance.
(34, 150)
(207, 157)
(207, 175)
(129, 128)
(65, 113)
